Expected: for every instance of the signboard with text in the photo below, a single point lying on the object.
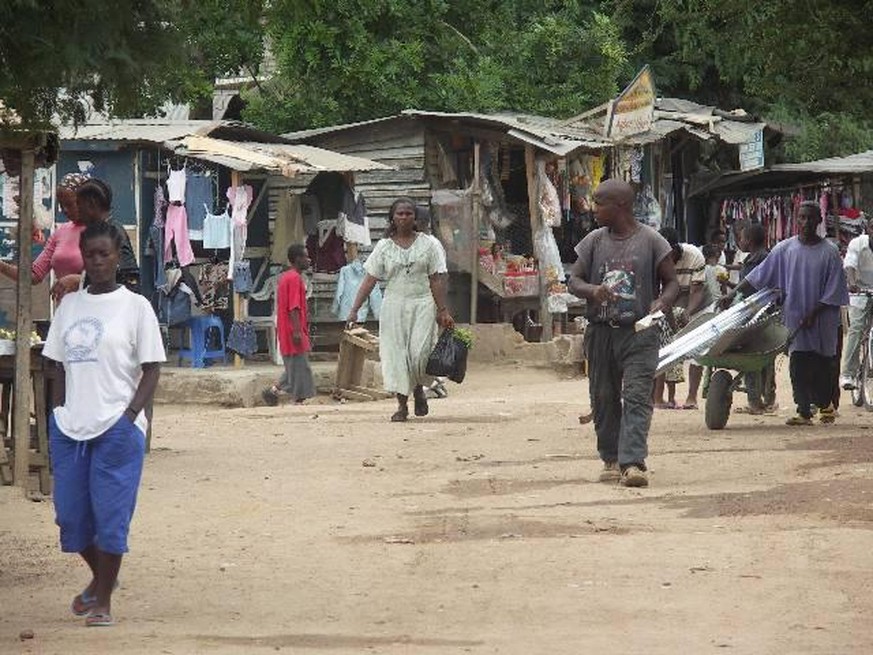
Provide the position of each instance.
(633, 111)
(752, 152)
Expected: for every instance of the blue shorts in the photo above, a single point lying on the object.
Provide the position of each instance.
(96, 482)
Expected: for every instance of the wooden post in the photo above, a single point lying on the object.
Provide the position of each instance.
(23, 388)
(477, 204)
(536, 221)
(238, 362)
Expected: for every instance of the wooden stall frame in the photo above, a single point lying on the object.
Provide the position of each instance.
(22, 386)
(530, 162)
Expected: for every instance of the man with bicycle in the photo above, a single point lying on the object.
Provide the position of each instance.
(858, 263)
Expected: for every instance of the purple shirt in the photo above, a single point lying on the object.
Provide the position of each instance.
(807, 276)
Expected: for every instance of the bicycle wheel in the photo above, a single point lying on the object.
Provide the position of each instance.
(867, 372)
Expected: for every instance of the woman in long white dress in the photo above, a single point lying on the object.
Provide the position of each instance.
(414, 305)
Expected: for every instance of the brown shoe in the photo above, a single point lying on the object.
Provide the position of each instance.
(634, 476)
(610, 472)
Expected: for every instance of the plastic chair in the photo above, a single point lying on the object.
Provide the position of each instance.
(198, 328)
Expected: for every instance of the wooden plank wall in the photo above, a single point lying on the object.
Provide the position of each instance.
(398, 143)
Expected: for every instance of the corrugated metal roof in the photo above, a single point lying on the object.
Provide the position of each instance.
(675, 115)
(144, 130)
(161, 130)
(546, 133)
(285, 159)
(302, 135)
(861, 162)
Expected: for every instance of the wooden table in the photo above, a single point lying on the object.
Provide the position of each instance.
(43, 374)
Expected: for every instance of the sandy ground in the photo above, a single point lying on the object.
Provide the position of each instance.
(480, 529)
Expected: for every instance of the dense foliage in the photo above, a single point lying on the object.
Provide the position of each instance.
(353, 60)
(805, 64)
(58, 60)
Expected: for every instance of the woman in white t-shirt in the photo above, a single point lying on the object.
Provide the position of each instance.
(108, 346)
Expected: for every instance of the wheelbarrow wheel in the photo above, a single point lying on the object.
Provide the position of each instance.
(719, 399)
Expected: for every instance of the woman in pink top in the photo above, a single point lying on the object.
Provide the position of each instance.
(61, 253)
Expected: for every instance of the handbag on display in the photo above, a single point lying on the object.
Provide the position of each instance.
(174, 308)
(242, 277)
(242, 339)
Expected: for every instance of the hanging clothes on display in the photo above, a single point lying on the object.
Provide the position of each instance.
(160, 207)
(214, 287)
(240, 198)
(176, 231)
(326, 248)
(287, 228)
(352, 223)
(176, 185)
(311, 213)
(350, 278)
(198, 198)
(216, 230)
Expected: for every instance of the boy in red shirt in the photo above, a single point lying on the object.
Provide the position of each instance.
(292, 328)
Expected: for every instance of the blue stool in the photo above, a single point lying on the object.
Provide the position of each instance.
(198, 328)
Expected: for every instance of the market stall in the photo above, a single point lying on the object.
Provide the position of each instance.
(212, 281)
(841, 186)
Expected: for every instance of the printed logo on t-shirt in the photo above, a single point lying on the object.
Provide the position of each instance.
(82, 339)
(621, 280)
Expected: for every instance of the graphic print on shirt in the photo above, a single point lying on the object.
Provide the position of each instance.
(82, 339)
(619, 277)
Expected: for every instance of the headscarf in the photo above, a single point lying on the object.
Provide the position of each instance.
(73, 181)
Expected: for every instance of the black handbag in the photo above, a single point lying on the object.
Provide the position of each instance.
(174, 308)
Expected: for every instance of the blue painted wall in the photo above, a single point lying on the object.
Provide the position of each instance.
(114, 166)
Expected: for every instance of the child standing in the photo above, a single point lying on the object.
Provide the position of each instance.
(292, 327)
(714, 272)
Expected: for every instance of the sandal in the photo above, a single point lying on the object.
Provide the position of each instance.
(99, 620)
(83, 603)
(421, 408)
(400, 416)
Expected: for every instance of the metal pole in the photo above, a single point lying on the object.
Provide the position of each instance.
(23, 387)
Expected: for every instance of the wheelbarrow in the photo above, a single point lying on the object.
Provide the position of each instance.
(746, 349)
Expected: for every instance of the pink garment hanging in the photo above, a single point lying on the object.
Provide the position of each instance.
(240, 198)
(176, 229)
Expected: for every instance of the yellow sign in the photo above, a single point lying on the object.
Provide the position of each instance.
(633, 111)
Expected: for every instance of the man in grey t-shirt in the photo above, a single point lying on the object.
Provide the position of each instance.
(624, 271)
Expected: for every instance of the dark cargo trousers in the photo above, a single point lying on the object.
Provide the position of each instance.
(621, 372)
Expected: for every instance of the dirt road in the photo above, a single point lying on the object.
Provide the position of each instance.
(480, 529)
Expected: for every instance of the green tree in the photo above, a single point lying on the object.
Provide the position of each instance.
(125, 57)
(352, 60)
(805, 63)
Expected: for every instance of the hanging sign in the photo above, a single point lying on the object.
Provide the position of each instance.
(633, 111)
(752, 152)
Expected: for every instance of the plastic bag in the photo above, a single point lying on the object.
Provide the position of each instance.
(449, 358)
(550, 203)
